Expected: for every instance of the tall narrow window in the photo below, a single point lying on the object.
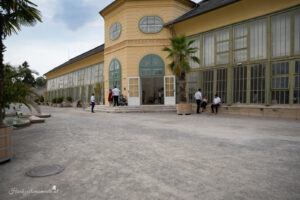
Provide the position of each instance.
(240, 34)
(222, 84)
(297, 83)
(280, 83)
(208, 49)
(196, 44)
(207, 83)
(115, 74)
(222, 46)
(258, 40)
(240, 84)
(281, 35)
(192, 84)
(297, 32)
(257, 89)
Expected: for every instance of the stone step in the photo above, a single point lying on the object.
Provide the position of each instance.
(34, 119)
(127, 109)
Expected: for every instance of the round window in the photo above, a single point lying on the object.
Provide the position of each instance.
(151, 24)
(115, 31)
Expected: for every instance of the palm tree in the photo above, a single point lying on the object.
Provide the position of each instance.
(13, 15)
(180, 53)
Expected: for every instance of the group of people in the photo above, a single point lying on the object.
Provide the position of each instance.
(202, 102)
(113, 96)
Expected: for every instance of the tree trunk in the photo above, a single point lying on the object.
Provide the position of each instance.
(182, 85)
(2, 48)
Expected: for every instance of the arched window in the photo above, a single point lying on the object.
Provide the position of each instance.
(115, 74)
(151, 24)
(115, 31)
(152, 65)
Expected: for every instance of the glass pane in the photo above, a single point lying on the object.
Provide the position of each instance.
(258, 40)
(280, 30)
(240, 55)
(208, 49)
(240, 43)
(297, 67)
(151, 24)
(297, 32)
(223, 58)
(240, 31)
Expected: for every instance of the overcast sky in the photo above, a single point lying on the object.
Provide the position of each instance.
(69, 28)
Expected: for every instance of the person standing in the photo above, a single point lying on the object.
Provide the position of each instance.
(198, 97)
(93, 102)
(110, 97)
(116, 93)
(215, 104)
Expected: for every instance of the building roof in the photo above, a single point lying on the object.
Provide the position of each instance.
(201, 8)
(91, 52)
(115, 1)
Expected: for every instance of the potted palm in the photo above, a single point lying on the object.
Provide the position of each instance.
(181, 53)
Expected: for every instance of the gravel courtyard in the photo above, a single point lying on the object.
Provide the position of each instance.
(155, 156)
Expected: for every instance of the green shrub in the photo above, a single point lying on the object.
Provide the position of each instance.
(41, 99)
(54, 100)
(59, 100)
(69, 99)
(36, 100)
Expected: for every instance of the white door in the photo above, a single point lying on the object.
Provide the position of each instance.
(133, 91)
(169, 91)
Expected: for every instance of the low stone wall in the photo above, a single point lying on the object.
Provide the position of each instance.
(287, 112)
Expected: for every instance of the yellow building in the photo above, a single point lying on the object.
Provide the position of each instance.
(249, 52)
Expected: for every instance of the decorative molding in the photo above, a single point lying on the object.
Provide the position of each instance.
(137, 43)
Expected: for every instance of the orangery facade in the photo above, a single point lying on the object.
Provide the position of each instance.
(249, 53)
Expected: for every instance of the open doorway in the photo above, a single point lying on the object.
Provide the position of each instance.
(152, 90)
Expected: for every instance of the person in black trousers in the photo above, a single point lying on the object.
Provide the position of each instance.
(116, 93)
(198, 97)
(93, 102)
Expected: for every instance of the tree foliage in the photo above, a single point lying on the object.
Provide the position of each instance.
(40, 82)
(13, 15)
(15, 89)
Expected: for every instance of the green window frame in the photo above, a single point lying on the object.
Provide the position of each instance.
(152, 65)
(239, 87)
(280, 82)
(208, 84)
(192, 85)
(296, 97)
(221, 82)
(257, 83)
(115, 74)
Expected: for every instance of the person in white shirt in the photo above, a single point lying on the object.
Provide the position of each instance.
(93, 102)
(198, 97)
(215, 104)
(116, 93)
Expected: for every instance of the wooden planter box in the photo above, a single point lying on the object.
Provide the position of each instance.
(184, 109)
(5, 144)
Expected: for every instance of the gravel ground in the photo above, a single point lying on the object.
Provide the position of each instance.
(155, 156)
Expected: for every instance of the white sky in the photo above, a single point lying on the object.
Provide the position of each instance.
(69, 28)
